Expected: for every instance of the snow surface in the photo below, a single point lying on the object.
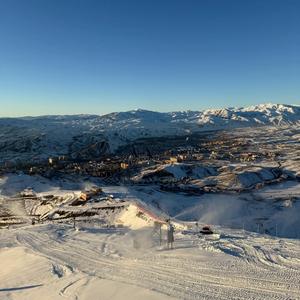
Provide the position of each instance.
(273, 209)
(106, 261)
(58, 262)
(28, 275)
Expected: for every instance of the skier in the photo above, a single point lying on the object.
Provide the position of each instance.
(170, 234)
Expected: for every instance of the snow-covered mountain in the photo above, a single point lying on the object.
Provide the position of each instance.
(92, 135)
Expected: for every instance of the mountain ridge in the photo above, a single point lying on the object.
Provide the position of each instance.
(43, 136)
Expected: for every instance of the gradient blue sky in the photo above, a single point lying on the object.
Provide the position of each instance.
(96, 56)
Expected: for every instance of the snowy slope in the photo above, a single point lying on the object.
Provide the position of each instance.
(57, 262)
(88, 136)
(101, 261)
(273, 209)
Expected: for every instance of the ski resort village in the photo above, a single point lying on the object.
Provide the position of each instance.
(145, 205)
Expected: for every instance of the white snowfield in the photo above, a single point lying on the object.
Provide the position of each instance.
(54, 261)
(103, 261)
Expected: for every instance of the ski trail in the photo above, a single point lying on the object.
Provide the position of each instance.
(169, 272)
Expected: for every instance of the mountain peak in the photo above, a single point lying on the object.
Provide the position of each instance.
(41, 137)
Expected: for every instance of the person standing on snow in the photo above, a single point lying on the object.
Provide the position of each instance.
(170, 234)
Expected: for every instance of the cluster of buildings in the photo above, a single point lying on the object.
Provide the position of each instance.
(219, 148)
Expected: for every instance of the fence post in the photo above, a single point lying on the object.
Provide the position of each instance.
(160, 236)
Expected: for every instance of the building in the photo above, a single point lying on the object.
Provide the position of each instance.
(124, 165)
(52, 160)
(88, 194)
(173, 160)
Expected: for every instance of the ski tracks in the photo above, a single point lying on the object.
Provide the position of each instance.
(193, 275)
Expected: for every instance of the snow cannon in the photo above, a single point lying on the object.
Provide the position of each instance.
(206, 230)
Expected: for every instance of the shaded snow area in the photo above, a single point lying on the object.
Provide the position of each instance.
(175, 171)
(55, 261)
(273, 210)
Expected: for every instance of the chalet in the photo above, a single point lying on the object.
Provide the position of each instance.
(181, 157)
(248, 157)
(27, 193)
(213, 155)
(198, 156)
(88, 194)
(62, 158)
(124, 165)
(172, 160)
(52, 160)
(33, 170)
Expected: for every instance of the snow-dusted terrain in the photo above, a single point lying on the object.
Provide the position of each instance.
(88, 136)
(79, 234)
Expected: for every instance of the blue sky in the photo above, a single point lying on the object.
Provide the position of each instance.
(96, 56)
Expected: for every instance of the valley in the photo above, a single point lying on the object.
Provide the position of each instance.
(89, 214)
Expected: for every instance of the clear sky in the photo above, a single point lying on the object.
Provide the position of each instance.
(96, 56)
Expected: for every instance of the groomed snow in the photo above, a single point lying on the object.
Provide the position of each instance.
(29, 276)
(99, 261)
(58, 262)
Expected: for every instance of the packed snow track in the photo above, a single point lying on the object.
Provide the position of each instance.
(236, 266)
